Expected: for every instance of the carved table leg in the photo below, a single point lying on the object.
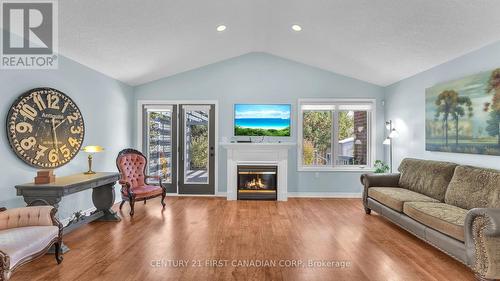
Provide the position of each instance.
(103, 198)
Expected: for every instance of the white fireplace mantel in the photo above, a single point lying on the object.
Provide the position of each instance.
(257, 154)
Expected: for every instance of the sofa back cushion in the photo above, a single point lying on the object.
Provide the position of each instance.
(427, 177)
(473, 187)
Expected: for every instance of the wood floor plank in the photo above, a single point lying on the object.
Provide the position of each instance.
(220, 239)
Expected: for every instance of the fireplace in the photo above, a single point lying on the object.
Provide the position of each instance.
(257, 182)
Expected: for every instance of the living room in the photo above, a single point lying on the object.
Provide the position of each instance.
(250, 140)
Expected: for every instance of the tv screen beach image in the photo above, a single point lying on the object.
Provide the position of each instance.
(262, 120)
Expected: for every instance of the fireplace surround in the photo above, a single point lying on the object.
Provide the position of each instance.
(257, 182)
(257, 154)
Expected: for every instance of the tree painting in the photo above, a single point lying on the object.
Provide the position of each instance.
(459, 111)
(463, 116)
(493, 126)
(445, 103)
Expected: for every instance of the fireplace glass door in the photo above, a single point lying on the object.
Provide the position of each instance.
(257, 182)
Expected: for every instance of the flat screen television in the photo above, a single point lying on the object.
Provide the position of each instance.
(262, 120)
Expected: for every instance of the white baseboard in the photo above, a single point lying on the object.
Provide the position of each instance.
(221, 194)
(217, 194)
(323, 195)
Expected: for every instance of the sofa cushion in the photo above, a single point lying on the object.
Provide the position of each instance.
(473, 187)
(21, 242)
(394, 197)
(442, 217)
(427, 177)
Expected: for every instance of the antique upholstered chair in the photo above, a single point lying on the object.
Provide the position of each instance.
(132, 166)
(26, 234)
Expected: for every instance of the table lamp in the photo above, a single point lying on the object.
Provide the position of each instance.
(91, 149)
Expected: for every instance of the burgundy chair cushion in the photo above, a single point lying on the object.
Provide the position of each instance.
(145, 191)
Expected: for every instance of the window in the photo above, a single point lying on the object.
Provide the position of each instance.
(158, 141)
(335, 134)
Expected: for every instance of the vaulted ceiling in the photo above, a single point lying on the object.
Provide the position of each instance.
(378, 41)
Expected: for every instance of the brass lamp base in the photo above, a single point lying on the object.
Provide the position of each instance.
(89, 172)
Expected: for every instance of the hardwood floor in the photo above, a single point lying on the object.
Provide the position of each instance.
(201, 229)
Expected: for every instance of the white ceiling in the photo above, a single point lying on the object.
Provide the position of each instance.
(378, 41)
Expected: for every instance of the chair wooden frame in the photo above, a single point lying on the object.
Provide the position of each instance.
(127, 192)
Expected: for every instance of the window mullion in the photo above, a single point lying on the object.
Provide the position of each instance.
(335, 137)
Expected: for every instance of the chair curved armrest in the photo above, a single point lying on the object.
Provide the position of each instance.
(160, 180)
(29, 216)
(126, 188)
(482, 241)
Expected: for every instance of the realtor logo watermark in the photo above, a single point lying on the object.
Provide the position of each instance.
(29, 34)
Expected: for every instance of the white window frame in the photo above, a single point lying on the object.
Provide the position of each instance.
(371, 137)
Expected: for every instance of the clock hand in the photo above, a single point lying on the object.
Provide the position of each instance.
(60, 123)
(55, 135)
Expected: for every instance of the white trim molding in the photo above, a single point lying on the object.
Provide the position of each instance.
(166, 102)
(257, 154)
(324, 195)
(335, 104)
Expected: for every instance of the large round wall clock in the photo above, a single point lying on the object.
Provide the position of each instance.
(45, 128)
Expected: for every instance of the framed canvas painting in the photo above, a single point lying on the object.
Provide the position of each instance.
(463, 116)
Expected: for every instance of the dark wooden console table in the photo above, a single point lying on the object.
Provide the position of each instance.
(103, 194)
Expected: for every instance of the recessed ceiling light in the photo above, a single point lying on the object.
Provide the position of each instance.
(221, 28)
(296, 27)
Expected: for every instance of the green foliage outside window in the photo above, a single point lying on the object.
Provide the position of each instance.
(198, 148)
(346, 125)
(317, 132)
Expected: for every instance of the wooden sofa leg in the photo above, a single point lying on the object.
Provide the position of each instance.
(121, 204)
(132, 207)
(368, 210)
(144, 201)
(58, 252)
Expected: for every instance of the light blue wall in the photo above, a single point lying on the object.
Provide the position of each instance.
(105, 104)
(264, 78)
(405, 104)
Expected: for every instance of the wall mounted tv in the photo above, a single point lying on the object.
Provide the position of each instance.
(262, 120)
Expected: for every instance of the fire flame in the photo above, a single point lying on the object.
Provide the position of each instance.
(255, 183)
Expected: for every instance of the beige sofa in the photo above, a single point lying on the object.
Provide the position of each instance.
(25, 234)
(454, 208)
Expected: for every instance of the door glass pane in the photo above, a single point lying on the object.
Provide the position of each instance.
(196, 128)
(353, 137)
(317, 138)
(159, 143)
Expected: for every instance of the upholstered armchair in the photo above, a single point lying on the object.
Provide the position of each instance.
(132, 166)
(26, 234)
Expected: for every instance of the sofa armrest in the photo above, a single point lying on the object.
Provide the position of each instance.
(377, 180)
(482, 241)
(28, 216)
(382, 180)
